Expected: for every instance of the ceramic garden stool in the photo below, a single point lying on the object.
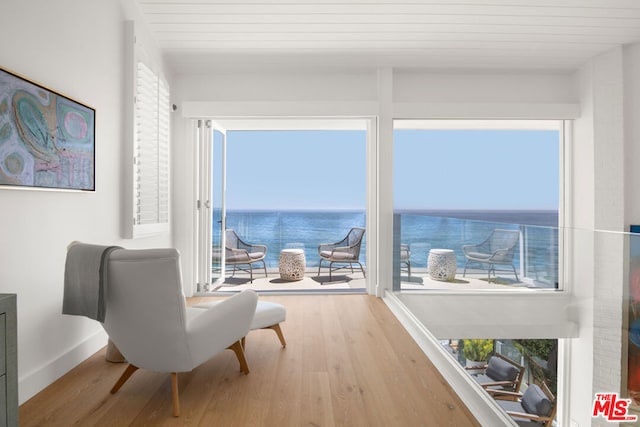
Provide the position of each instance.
(442, 264)
(292, 264)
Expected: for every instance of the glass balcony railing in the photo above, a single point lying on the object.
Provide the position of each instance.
(295, 229)
(531, 261)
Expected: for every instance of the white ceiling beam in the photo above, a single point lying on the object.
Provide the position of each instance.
(394, 38)
(372, 29)
(350, 8)
(463, 47)
(185, 61)
(347, 20)
(618, 4)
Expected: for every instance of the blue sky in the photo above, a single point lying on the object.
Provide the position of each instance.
(472, 169)
(433, 169)
(296, 170)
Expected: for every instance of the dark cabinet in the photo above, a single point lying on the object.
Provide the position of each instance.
(8, 361)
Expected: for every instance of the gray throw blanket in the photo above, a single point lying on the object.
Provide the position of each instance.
(85, 278)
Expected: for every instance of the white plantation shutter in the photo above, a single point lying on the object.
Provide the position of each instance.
(151, 152)
(163, 151)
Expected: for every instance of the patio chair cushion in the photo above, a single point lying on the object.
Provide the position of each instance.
(534, 401)
(256, 255)
(510, 406)
(242, 256)
(501, 370)
(479, 255)
(484, 378)
(337, 255)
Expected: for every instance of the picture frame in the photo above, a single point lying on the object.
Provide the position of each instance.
(47, 139)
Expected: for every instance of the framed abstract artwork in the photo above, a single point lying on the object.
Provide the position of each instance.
(47, 140)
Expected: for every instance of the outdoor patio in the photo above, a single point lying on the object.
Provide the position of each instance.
(345, 282)
(420, 280)
(339, 282)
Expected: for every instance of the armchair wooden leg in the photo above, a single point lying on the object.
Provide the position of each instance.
(113, 354)
(124, 377)
(239, 351)
(278, 331)
(174, 394)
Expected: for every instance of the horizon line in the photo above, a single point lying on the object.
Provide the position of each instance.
(256, 209)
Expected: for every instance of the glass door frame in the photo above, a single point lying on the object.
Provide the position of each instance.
(373, 217)
(206, 204)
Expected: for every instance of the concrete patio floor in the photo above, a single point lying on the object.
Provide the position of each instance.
(350, 283)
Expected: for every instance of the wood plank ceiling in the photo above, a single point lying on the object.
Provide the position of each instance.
(511, 34)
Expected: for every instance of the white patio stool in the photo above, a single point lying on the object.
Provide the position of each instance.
(292, 264)
(442, 264)
(268, 315)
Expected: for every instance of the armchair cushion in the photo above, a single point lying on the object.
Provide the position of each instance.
(337, 255)
(267, 313)
(256, 255)
(534, 401)
(501, 370)
(240, 255)
(478, 255)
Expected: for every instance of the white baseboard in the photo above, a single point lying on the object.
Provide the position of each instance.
(479, 403)
(35, 381)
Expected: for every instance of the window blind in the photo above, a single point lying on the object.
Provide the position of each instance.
(151, 148)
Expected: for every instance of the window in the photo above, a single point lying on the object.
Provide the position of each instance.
(486, 183)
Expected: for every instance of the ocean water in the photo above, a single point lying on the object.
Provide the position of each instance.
(537, 252)
(295, 229)
(421, 229)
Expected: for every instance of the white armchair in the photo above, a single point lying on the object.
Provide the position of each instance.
(147, 318)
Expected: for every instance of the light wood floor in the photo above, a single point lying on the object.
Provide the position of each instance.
(348, 362)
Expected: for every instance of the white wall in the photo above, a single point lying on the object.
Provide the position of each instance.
(74, 47)
(581, 209)
(610, 251)
(463, 87)
(632, 132)
(252, 85)
(601, 206)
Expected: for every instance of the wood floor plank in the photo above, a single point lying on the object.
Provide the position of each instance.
(316, 402)
(349, 408)
(348, 362)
